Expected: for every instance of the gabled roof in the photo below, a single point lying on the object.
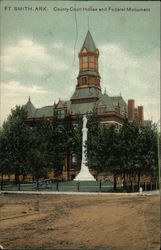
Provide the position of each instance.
(61, 104)
(106, 101)
(89, 44)
(122, 103)
(29, 107)
(110, 103)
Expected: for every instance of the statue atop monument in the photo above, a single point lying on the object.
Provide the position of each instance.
(84, 121)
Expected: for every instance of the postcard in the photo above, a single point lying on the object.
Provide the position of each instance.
(86, 77)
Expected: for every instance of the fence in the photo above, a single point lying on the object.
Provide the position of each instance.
(74, 186)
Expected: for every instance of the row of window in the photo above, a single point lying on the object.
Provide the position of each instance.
(88, 62)
(85, 59)
(61, 112)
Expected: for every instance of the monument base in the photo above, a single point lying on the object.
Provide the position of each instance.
(84, 175)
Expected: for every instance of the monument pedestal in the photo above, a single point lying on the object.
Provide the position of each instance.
(84, 175)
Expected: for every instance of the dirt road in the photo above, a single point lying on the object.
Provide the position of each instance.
(80, 222)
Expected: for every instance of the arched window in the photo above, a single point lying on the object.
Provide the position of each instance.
(84, 80)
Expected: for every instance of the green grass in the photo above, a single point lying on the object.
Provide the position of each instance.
(71, 186)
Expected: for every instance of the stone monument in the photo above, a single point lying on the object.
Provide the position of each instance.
(84, 174)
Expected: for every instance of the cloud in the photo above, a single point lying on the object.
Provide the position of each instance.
(135, 76)
(45, 75)
(28, 57)
(116, 56)
(57, 45)
(14, 93)
(12, 88)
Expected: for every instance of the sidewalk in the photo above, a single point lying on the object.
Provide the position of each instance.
(155, 192)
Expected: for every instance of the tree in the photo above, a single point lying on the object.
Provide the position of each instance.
(4, 155)
(103, 150)
(37, 161)
(38, 156)
(131, 150)
(103, 147)
(68, 134)
(56, 148)
(128, 140)
(147, 152)
(17, 135)
(138, 150)
(113, 150)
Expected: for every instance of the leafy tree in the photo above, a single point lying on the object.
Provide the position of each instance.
(131, 150)
(102, 147)
(128, 141)
(113, 149)
(38, 163)
(38, 158)
(56, 148)
(17, 135)
(68, 133)
(137, 150)
(4, 154)
(147, 148)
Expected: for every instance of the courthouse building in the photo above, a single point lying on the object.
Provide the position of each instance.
(88, 96)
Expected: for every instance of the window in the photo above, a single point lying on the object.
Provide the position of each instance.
(84, 80)
(91, 66)
(85, 62)
(91, 63)
(85, 59)
(61, 114)
(91, 59)
(100, 111)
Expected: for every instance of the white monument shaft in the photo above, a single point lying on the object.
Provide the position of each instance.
(84, 174)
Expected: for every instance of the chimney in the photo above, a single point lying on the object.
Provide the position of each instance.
(140, 115)
(131, 104)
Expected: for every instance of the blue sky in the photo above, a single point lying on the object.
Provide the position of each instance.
(39, 51)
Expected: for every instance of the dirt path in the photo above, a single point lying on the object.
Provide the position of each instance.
(74, 222)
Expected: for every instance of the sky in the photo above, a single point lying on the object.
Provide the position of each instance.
(40, 46)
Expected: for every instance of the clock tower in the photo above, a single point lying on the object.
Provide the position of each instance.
(88, 65)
